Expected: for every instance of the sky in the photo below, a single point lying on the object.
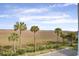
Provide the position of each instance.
(47, 16)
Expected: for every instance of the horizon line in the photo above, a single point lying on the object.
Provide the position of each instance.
(42, 30)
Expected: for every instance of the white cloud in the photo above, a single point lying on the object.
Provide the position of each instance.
(32, 10)
(45, 18)
(57, 21)
(64, 28)
(68, 4)
(23, 19)
(70, 29)
(4, 15)
(62, 5)
(39, 10)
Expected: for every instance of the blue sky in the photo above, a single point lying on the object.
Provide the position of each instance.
(45, 16)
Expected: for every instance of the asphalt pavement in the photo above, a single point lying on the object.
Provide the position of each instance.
(62, 52)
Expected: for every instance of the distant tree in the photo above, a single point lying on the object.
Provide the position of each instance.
(21, 26)
(34, 29)
(71, 37)
(58, 32)
(13, 37)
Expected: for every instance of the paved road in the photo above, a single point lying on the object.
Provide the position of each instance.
(62, 52)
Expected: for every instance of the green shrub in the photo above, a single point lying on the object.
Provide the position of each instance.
(6, 53)
(7, 47)
(42, 47)
(37, 48)
(50, 42)
(20, 52)
(49, 46)
(56, 46)
(15, 54)
(30, 49)
(31, 45)
(1, 48)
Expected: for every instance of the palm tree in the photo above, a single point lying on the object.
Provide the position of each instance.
(34, 29)
(71, 37)
(63, 37)
(58, 31)
(21, 27)
(13, 37)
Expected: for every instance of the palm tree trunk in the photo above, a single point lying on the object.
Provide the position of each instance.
(63, 41)
(72, 42)
(14, 46)
(20, 40)
(34, 43)
(57, 40)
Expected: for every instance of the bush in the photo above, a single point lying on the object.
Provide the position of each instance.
(1, 48)
(6, 53)
(30, 49)
(30, 45)
(7, 47)
(41, 47)
(20, 52)
(56, 46)
(15, 54)
(50, 42)
(49, 46)
(37, 48)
